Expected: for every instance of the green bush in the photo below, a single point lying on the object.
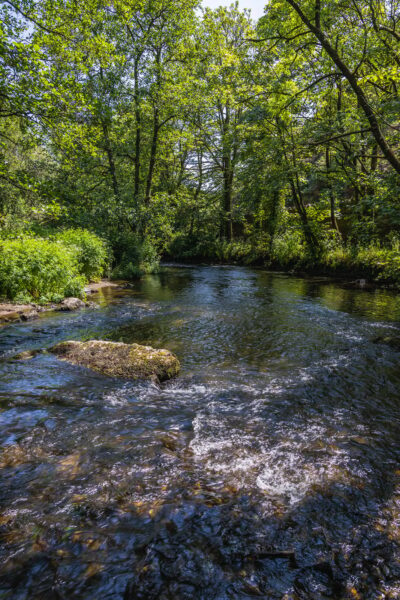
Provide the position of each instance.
(33, 269)
(92, 254)
(240, 251)
(191, 248)
(288, 248)
(135, 257)
(372, 262)
(338, 259)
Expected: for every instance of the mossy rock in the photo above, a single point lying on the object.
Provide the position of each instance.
(116, 359)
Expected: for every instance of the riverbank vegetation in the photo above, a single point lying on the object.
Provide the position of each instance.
(36, 269)
(132, 131)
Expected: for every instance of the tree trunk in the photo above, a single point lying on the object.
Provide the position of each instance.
(374, 158)
(110, 157)
(156, 128)
(153, 155)
(198, 188)
(227, 199)
(227, 174)
(334, 223)
(310, 238)
(138, 136)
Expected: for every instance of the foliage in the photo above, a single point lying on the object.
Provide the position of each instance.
(135, 257)
(288, 249)
(34, 269)
(192, 247)
(202, 135)
(91, 253)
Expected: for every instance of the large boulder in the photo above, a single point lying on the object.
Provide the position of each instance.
(120, 360)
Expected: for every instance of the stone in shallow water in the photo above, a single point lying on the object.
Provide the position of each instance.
(27, 354)
(116, 359)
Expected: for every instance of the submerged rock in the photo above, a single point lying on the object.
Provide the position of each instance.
(95, 286)
(362, 284)
(27, 354)
(116, 359)
(390, 340)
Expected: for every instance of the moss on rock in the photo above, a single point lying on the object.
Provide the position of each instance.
(116, 359)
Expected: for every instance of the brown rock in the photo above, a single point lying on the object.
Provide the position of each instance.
(104, 283)
(16, 312)
(29, 315)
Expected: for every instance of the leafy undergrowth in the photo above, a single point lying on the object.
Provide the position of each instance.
(135, 257)
(35, 269)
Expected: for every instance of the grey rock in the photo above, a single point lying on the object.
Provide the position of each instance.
(71, 304)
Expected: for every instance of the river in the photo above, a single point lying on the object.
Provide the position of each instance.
(269, 468)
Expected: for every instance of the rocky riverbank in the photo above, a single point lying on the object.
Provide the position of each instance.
(13, 312)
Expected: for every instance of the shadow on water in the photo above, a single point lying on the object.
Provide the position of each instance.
(269, 469)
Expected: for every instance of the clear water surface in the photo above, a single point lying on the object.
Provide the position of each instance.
(269, 468)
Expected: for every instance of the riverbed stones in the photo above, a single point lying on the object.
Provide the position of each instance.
(117, 359)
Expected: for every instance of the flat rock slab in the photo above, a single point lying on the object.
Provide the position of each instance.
(25, 312)
(16, 312)
(116, 359)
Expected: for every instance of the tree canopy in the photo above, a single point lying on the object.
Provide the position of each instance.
(191, 130)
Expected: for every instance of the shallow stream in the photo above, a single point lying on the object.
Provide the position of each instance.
(269, 468)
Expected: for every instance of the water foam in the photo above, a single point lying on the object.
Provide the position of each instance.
(288, 463)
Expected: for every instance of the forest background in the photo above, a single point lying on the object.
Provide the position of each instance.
(132, 130)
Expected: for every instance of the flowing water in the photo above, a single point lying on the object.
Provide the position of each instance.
(269, 468)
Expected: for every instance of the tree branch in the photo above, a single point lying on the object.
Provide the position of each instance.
(43, 27)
